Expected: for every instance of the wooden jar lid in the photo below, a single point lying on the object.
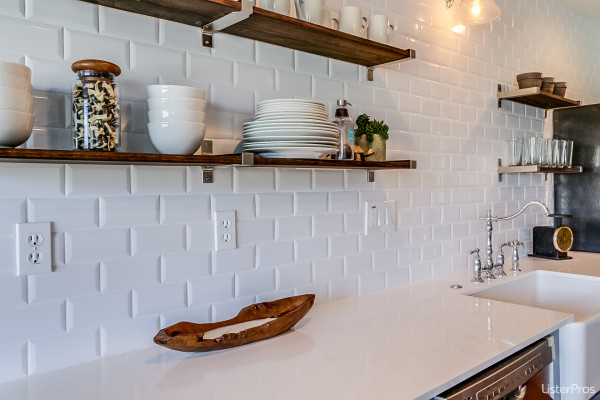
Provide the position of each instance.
(96, 65)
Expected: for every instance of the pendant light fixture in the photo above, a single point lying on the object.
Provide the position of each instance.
(474, 12)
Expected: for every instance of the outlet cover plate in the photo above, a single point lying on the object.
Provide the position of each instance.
(34, 248)
(225, 230)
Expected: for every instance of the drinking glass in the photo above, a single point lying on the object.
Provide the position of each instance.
(515, 150)
(569, 154)
(526, 152)
(556, 153)
(535, 146)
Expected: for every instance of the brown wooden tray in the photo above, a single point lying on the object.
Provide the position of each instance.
(188, 336)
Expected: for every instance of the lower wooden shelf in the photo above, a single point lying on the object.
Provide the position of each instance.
(535, 97)
(244, 159)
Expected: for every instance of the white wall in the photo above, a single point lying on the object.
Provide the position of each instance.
(133, 244)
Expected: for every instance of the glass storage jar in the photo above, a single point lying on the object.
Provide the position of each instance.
(95, 109)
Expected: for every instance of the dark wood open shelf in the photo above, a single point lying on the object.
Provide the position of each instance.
(93, 157)
(535, 97)
(268, 27)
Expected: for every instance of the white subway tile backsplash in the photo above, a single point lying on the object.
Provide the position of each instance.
(229, 99)
(329, 180)
(236, 260)
(372, 282)
(82, 246)
(127, 25)
(248, 283)
(32, 322)
(67, 214)
(255, 77)
(32, 180)
(293, 83)
(274, 204)
(179, 36)
(83, 45)
(13, 8)
(184, 209)
(129, 273)
(13, 290)
(274, 254)
(274, 56)
(293, 180)
(160, 298)
(290, 276)
(344, 288)
(122, 211)
(299, 227)
(158, 60)
(67, 281)
(204, 68)
(54, 352)
(35, 38)
(156, 180)
(87, 180)
(327, 270)
(235, 47)
(88, 312)
(126, 336)
(255, 231)
(328, 225)
(185, 265)
(211, 290)
(311, 64)
(310, 203)
(148, 240)
(68, 13)
(250, 180)
(14, 361)
(310, 249)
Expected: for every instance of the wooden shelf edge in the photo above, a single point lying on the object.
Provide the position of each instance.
(91, 157)
(532, 169)
(268, 27)
(535, 97)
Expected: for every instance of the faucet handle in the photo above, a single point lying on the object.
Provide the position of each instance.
(515, 244)
(476, 267)
(500, 260)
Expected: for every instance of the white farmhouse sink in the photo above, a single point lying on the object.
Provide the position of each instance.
(579, 341)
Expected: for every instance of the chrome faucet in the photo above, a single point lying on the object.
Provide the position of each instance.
(489, 265)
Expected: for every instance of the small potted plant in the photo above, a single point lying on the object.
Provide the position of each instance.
(371, 135)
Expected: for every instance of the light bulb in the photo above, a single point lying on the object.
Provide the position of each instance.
(476, 10)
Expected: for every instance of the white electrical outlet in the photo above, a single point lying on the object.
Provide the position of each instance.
(380, 216)
(225, 230)
(34, 248)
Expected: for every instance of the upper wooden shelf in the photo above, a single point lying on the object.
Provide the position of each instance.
(268, 27)
(535, 97)
(246, 159)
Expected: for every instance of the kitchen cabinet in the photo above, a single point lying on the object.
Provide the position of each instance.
(265, 26)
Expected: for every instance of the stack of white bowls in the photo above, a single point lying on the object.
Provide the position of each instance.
(16, 104)
(176, 118)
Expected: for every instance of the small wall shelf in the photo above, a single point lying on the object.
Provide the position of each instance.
(259, 24)
(535, 169)
(535, 97)
(206, 161)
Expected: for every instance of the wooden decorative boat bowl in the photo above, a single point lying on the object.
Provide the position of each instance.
(253, 323)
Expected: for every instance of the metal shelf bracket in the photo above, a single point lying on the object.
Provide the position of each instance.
(207, 174)
(225, 22)
(371, 69)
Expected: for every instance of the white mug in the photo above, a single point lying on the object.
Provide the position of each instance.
(278, 6)
(327, 19)
(351, 21)
(380, 29)
(312, 11)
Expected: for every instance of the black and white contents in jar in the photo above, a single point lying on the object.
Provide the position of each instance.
(95, 115)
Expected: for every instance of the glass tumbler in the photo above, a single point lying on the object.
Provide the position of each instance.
(556, 153)
(526, 152)
(515, 149)
(546, 152)
(569, 154)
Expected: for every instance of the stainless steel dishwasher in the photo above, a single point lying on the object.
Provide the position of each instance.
(526, 374)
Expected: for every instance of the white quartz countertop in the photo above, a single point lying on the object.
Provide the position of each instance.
(411, 342)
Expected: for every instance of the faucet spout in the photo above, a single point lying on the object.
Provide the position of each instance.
(489, 217)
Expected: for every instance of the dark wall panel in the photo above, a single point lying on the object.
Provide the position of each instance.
(579, 194)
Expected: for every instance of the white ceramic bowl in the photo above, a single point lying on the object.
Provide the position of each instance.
(14, 82)
(176, 137)
(176, 104)
(16, 100)
(176, 116)
(15, 69)
(174, 91)
(15, 128)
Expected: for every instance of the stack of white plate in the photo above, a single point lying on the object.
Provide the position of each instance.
(16, 104)
(290, 128)
(176, 118)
